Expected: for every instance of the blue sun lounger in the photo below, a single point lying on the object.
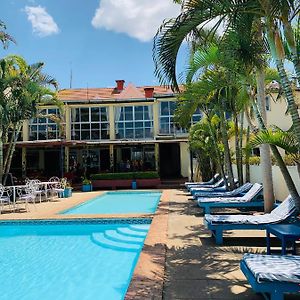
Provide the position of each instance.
(236, 192)
(215, 178)
(219, 223)
(272, 275)
(250, 199)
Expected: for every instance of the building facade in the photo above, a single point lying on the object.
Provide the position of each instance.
(125, 128)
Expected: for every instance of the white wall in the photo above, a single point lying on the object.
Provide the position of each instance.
(280, 188)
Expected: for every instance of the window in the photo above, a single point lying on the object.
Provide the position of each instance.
(167, 125)
(89, 123)
(134, 122)
(44, 128)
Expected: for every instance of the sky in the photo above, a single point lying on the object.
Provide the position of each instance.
(100, 41)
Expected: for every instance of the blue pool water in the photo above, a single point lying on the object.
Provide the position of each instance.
(69, 259)
(118, 203)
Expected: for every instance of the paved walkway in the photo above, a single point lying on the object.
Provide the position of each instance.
(198, 269)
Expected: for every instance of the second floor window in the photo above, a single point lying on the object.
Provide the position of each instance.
(89, 123)
(44, 128)
(166, 118)
(134, 122)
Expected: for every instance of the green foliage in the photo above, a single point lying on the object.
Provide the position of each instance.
(127, 175)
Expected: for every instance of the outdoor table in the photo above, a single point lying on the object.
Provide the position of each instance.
(286, 233)
(46, 183)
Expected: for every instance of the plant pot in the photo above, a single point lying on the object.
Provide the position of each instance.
(67, 192)
(133, 184)
(87, 188)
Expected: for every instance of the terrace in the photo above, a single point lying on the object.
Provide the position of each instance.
(179, 259)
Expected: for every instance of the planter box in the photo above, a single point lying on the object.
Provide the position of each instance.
(87, 188)
(125, 183)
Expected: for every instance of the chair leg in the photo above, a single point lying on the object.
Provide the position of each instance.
(219, 236)
(277, 295)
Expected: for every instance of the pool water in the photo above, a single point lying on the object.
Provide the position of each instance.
(118, 203)
(68, 260)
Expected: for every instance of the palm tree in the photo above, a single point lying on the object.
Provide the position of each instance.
(5, 38)
(23, 87)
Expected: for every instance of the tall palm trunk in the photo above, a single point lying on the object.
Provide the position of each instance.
(290, 39)
(277, 52)
(265, 155)
(238, 157)
(280, 162)
(1, 154)
(8, 150)
(247, 155)
(217, 152)
(241, 135)
(227, 157)
(12, 150)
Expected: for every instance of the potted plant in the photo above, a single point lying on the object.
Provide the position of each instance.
(86, 185)
(68, 190)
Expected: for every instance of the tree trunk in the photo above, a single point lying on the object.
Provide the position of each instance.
(1, 154)
(227, 158)
(218, 155)
(276, 48)
(286, 175)
(241, 145)
(239, 163)
(247, 156)
(265, 155)
(8, 150)
(12, 150)
(290, 39)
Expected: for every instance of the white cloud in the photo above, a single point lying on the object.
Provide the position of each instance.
(139, 19)
(42, 23)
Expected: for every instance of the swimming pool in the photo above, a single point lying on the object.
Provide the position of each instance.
(118, 203)
(91, 259)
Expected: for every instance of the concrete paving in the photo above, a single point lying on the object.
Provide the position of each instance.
(198, 269)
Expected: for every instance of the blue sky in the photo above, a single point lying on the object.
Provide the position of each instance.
(101, 40)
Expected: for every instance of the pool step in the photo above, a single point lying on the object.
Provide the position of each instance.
(101, 240)
(131, 232)
(118, 237)
(137, 227)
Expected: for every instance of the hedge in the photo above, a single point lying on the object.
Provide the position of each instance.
(127, 175)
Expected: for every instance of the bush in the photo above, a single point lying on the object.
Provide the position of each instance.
(128, 175)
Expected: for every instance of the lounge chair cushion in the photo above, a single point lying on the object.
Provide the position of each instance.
(253, 192)
(283, 211)
(242, 189)
(274, 267)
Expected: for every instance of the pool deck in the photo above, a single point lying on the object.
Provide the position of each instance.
(179, 259)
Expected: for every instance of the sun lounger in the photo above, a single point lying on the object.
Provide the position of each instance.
(236, 192)
(211, 181)
(217, 187)
(219, 223)
(250, 199)
(272, 274)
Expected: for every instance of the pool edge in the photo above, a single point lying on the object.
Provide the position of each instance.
(148, 276)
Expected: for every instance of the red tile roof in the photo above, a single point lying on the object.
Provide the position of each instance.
(86, 94)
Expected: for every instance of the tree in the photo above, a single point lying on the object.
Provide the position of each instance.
(22, 88)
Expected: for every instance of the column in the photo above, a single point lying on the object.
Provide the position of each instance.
(26, 130)
(155, 118)
(67, 126)
(156, 154)
(23, 162)
(111, 157)
(66, 160)
(111, 116)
